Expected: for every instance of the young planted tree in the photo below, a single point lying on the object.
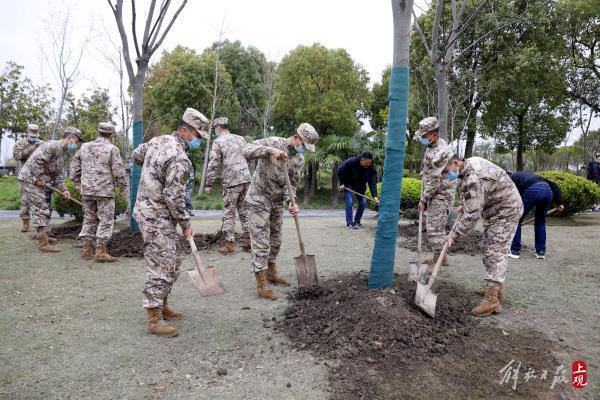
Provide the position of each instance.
(151, 40)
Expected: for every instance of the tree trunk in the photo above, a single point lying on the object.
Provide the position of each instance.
(441, 81)
(314, 181)
(520, 144)
(61, 105)
(334, 185)
(307, 184)
(213, 113)
(471, 133)
(138, 138)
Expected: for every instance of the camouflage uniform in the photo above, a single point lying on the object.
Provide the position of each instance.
(46, 163)
(437, 192)
(159, 207)
(487, 191)
(266, 195)
(227, 152)
(21, 152)
(95, 168)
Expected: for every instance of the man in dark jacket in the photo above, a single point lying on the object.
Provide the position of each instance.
(539, 193)
(354, 174)
(593, 169)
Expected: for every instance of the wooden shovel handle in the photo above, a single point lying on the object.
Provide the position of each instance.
(438, 264)
(199, 265)
(552, 211)
(360, 194)
(293, 202)
(420, 239)
(59, 192)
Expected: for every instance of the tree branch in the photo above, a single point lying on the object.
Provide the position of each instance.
(421, 35)
(147, 28)
(118, 13)
(157, 45)
(156, 27)
(133, 18)
(435, 32)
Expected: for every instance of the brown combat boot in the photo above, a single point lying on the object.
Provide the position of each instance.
(273, 277)
(88, 250)
(102, 255)
(262, 289)
(227, 248)
(44, 246)
(246, 245)
(481, 292)
(169, 313)
(25, 227)
(52, 240)
(490, 303)
(156, 324)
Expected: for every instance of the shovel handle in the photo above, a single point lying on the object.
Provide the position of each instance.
(552, 211)
(59, 192)
(419, 238)
(296, 218)
(360, 194)
(438, 264)
(199, 265)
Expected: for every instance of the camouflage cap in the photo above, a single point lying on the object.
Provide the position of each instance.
(71, 130)
(441, 160)
(224, 121)
(33, 128)
(427, 125)
(309, 135)
(196, 120)
(106, 127)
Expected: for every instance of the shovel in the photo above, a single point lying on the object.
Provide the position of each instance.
(306, 265)
(555, 209)
(205, 279)
(361, 195)
(59, 192)
(418, 269)
(425, 299)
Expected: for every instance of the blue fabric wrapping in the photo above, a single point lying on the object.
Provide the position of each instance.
(384, 250)
(136, 173)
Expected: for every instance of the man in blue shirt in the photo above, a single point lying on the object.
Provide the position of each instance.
(355, 173)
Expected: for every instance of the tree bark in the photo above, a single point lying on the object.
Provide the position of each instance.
(334, 185)
(314, 181)
(441, 81)
(307, 184)
(520, 143)
(471, 133)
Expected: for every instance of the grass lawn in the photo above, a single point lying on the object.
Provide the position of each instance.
(10, 199)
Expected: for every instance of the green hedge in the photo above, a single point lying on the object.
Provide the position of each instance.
(579, 194)
(68, 207)
(411, 194)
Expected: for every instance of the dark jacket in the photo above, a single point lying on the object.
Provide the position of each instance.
(593, 171)
(525, 179)
(355, 177)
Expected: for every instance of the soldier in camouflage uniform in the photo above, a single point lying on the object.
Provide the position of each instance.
(24, 147)
(94, 169)
(227, 153)
(265, 198)
(486, 192)
(160, 207)
(436, 193)
(43, 166)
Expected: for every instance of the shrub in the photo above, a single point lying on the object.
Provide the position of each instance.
(578, 193)
(68, 207)
(411, 194)
(10, 198)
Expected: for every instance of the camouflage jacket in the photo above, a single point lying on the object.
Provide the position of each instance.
(165, 172)
(434, 162)
(23, 149)
(46, 163)
(96, 167)
(227, 152)
(486, 191)
(268, 187)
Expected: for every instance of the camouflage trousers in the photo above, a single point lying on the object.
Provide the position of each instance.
(98, 218)
(163, 259)
(24, 203)
(35, 198)
(498, 232)
(234, 199)
(265, 234)
(437, 218)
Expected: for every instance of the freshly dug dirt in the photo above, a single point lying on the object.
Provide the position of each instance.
(468, 244)
(65, 232)
(378, 344)
(128, 244)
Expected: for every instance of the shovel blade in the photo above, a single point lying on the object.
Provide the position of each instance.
(425, 299)
(306, 270)
(207, 283)
(417, 272)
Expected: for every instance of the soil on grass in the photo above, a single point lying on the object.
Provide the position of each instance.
(468, 244)
(378, 344)
(128, 244)
(65, 232)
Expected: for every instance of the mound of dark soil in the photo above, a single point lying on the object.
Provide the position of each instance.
(379, 345)
(468, 244)
(65, 232)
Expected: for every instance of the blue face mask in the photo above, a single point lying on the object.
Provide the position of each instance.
(72, 146)
(32, 139)
(425, 141)
(451, 176)
(300, 149)
(194, 143)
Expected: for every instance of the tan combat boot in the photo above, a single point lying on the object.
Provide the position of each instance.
(44, 246)
(88, 250)
(52, 240)
(156, 324)
(246, 245)
(490, 303)
(102, 255)
(25, 227)
(262, 289)
(481, 292)
(169, 313)
(227, 248)
(273, 277)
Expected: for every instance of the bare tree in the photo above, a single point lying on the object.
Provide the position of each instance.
(64, 60)
(151, 40)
